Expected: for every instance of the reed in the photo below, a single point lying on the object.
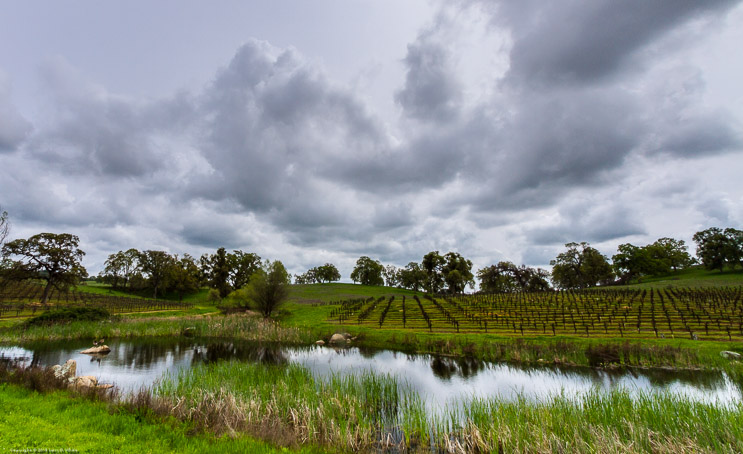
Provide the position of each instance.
(373, 412)
(233, 326)
(365, 412)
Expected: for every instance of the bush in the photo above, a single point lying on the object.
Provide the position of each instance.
(67, 315)
(213, 296)
(237, 301)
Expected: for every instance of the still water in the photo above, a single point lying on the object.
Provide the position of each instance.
(440, 380)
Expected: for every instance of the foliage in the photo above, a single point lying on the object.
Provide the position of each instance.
(412, 277)
(156, 265)
(121, 267)
(368, 272)
(580, 266)
(226, 271)
(457, 272)
(507, 277)
(216, 271)
(269, 288)
(654, 259)
(433, 264)
(184, 277)
(673, 252)
(320, 274)
(241, 266)
(391, 276)
(213, 296)
(717, 248)
(52, 257)
(67, 315)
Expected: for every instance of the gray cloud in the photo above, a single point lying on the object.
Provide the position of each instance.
(431, 90)
(14, 128)
(702, 135)
(275, 125)
(578, 42)
(97, 131)
(276, 155)
(585, 220)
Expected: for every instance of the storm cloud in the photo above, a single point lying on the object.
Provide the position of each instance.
(515, 128)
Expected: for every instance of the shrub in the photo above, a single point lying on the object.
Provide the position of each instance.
(67, 315)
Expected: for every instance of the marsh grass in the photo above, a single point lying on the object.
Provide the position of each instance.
(234, 326)
(288, 404)
(370, 412)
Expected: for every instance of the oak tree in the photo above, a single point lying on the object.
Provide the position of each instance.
(52, 257)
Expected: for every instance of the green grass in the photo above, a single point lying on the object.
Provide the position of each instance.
(642, 349)
(694, 277)
(106, 289)
(233, 327)
(355, 413)
(58, 421)
(327, 293)
(100, 289)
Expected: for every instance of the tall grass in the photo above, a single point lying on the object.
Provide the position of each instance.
(373, 412)
(288, 404)
(234, 326)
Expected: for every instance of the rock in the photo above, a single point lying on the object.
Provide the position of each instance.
(346, 335)
(730, 355)
(101, 349)
(67, 371)
(320, 342)
(86, 381)
(337, 339)
(189, 332)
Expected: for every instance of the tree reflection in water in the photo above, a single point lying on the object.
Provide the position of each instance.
(445, 367)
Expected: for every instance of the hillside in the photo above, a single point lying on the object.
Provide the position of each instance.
(326, 293)
(693, 277)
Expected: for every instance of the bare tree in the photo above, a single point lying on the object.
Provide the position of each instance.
(4, 227)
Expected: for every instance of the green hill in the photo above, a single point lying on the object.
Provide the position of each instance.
(326, 293)
(695, 276)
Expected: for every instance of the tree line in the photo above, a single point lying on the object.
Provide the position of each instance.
(56, 259)
(579, 266)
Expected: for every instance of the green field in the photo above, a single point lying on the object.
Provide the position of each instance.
(648, 325)
(693, 277)
(59, 421)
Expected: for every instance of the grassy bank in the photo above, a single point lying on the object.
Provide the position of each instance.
(59, 420)
(233, 326)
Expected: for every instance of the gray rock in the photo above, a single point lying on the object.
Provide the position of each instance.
(337, 339)
(320, 342)
(86, 381)
(68, 370)
(730, 355)
(94, 350)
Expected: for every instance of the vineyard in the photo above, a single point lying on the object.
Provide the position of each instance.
(19, 299)
(713, 313)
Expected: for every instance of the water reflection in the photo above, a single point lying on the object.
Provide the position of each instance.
(447, 367)
(440, 379)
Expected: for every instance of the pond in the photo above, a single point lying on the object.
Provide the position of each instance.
(440, 380)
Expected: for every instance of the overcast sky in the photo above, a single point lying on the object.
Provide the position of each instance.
(315, 132)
